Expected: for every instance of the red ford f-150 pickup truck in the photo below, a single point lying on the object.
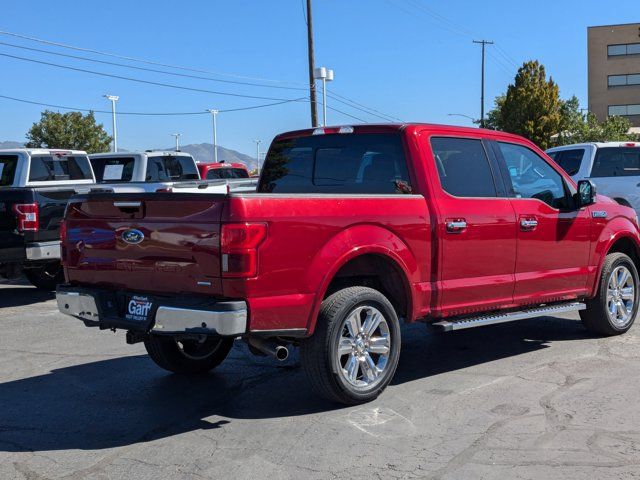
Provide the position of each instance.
(351, 231)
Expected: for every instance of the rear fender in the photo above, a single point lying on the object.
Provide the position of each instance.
(349, 244)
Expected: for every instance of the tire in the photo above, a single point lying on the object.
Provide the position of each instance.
(362, 371)
(46, 277)
(623, 299)
(188, 357)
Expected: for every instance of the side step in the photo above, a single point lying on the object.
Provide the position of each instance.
(471, 322)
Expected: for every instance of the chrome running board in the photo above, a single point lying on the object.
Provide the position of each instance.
(450, 325)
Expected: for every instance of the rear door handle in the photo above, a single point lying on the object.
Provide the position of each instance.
(528, 224)
(457, 225)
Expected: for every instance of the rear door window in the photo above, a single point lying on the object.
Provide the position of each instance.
(113, 169)
(8, 167)
(59, 167)
(335, 163)
(463, 167)
(616, 162)
(569, 160)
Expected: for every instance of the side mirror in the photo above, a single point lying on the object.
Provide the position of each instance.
(586, 193)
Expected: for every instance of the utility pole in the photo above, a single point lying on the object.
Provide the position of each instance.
(258, 142)
(177, 135)
(483, 43)
(114, 99)
(312, 82)
(214, 113)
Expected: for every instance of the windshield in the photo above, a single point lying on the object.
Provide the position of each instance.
(113, 169)
(8, 165)
(226, 172)
(336, 163)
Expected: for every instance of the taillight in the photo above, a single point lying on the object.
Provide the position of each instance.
(239, 248)
(63, 241)
(27, 216)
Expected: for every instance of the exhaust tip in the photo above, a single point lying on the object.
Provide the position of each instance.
(282, 353)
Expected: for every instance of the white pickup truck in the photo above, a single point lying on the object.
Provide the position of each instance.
(613, 166)
(157, 171)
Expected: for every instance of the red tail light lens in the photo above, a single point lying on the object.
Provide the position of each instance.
(239, 247)
(27, 216)
(63, 241)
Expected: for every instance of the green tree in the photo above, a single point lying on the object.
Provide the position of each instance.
(577, 127)
(531, 106)
(71, 130)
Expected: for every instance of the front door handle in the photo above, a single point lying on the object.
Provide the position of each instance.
(528, 224)
(456, 225)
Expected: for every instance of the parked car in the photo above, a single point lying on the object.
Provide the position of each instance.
(353, 230)
(35, 185)
(217, 170)
(143, 171)
(613, 166)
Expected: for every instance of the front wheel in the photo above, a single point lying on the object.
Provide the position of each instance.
(192, 356)
(354, 351)
(46, 277)
(614, 308)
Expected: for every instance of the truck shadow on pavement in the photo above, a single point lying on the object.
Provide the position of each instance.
(127, 400)
(20, 296)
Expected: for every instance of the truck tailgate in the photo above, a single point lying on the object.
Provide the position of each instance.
(148, 242)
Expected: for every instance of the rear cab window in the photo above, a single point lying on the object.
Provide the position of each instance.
(8, 167)
(45, 168)
(227, 172)
(171, 168)
(616, 162)
(113, 169)
(569, 160)
(364, 163)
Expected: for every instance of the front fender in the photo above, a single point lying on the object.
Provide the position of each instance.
(353, 242)
(616, 229)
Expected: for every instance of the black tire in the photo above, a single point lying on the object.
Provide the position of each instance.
(188, 357)
(319, 353)
(46, 277)
(596, 318)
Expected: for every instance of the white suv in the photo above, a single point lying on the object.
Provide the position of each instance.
(613, 166)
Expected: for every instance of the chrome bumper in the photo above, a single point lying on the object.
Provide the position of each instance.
(43, 251)
(229, 319)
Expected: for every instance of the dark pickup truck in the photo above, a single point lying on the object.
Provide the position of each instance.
(35, 185)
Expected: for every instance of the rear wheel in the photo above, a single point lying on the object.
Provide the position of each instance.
(46, 277)
(354, 351)
(614, 308)
(188, 356)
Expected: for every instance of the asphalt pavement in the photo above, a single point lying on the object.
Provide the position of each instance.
(535, 399)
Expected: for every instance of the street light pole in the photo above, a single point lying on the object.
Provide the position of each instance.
(484, 43)
(177, 135)
(326, 75)
(214, 113)
(258, 142)
(114, 99)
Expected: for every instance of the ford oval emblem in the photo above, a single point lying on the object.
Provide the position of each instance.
(132, 236)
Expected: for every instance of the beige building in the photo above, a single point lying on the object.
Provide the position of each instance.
(614, 71)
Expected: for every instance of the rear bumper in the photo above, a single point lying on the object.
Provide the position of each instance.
(43, 251)
(104, 309)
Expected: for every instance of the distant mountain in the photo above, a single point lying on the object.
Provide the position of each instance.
(10, 144)
(203, 152)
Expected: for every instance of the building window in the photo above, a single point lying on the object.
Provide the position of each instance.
(623, 49)
(624, 110)
(623, 80)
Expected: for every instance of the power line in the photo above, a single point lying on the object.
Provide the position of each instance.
(133, 59)
(355, 105)
(139, 80)
(203, 112)
(164, 72)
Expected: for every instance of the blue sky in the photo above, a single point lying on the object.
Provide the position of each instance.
(411, 59)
